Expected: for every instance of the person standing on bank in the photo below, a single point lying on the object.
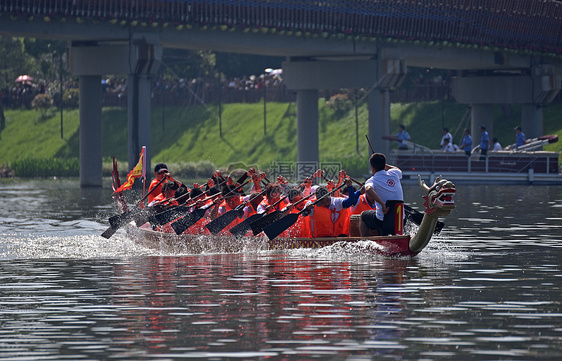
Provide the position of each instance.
(520, 138)
(384, 185)
(484, 143)
(403, 136)
(466, 142)
(446, 135)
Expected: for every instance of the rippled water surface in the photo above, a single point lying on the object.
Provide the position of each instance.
(488, 288)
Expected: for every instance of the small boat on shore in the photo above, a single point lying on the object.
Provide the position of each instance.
(439, 203)
(528, 164)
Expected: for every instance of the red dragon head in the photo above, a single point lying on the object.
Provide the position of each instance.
(439, 198)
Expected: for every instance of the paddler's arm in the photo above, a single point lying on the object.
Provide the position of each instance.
(353, 196)
(373, 195)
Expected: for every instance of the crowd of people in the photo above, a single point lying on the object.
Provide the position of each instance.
(248, 89)
(448, 144)
(321, 211)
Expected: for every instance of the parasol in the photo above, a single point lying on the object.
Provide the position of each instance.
(24, 79)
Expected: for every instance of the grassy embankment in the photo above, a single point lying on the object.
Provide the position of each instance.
(192, 135)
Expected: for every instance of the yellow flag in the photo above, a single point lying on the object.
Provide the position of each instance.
(136, 172)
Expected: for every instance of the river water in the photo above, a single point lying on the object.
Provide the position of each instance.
(488, 288)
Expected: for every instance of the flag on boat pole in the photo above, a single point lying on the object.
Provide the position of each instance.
(136, 172)
(144, 170)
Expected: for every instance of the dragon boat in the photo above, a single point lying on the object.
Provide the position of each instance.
(438, 203)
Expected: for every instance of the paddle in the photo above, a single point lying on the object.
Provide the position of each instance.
(224, 220)
(243, 227)
(174, 212)
(267, 218)
(275, 229)
(178, 211)
(259, 223)
(190, 219)
(119, 220)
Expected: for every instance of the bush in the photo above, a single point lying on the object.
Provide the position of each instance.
(71, 98)
(43, 102)
(339, 103)
(53, 167)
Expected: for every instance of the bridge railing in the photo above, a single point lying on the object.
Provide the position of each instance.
(534, 25)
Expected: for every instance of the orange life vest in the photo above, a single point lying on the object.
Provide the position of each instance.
(226, 208)
(161, 197)
(278, 207)
(300, 228)
(362, 205)
(321, 224)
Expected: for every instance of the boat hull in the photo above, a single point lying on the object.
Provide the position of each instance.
(383, 245)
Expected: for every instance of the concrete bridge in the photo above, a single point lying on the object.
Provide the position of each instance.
(504, 51)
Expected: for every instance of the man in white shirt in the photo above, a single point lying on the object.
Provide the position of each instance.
(446, 135)
(384, 185)
(496, 145)
(447, 146)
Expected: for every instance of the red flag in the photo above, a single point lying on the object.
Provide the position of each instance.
(136, 172)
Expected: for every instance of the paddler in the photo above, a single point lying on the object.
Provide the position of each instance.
(301, 227)
(384, 185)
(273, 193)
(160, 172)
(330, 216)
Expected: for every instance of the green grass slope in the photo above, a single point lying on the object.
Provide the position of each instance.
(194, 133)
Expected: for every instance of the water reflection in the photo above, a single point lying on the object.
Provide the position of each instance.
(277, 305)
(487, 289)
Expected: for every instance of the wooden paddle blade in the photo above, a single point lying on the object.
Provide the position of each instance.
(224, 220)
(413, 215)
(417, 217)
(109, 232)
(438, 228)
(142, 216)
(188, 220)
(243, 227)
(117, 221)
(260, 224)
(275, 229)
(168, 215)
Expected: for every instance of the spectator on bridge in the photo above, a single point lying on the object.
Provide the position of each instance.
(484, 143)
(496, 145)
(466, 142)
(519, 137)
(403, 136)
(446, 135)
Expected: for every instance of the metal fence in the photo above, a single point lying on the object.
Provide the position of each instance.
(533, 25)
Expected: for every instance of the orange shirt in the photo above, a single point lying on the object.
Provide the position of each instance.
(156, 191)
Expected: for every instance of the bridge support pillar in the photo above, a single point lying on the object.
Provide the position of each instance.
(481, 114)
(307, 126)
(539, 86)
(139, 119)
(90, 131)
(378, 75)
(379, 119)
(531, 120)
(90, 61)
